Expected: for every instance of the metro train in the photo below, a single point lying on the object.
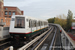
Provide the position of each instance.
(23, 27)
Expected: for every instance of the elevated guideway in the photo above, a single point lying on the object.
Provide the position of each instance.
(52, 39)
(67, 42)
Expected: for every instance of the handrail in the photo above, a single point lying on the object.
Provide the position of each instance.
(68, 37)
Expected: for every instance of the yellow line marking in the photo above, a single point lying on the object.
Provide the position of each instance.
(40, 29)
(37, 30)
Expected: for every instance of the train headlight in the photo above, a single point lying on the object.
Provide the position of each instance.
(24, 37)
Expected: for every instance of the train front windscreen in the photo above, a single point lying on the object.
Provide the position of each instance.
(19, 22)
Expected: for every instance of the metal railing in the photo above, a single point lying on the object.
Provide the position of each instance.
(67, 42)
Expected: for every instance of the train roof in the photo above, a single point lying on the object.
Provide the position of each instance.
(28, 17)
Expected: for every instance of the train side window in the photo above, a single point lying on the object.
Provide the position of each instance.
(41, 24)
(34, 23)
(29, 23)
(38, 23)
(27, 20)
(44, 23)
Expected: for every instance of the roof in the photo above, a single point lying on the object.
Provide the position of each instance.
(11, 6)
(31, 17)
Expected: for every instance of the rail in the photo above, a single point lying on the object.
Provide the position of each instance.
(36, 47)
(52, 40)
(33, 41)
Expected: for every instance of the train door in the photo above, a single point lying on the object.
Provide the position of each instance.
(36, 24)
(30, 25)
(40, 24)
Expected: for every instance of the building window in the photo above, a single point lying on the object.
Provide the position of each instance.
(6, 8)
(1, 20)
(9, 16)
(13, 13)
(9, 13)
(6, 13)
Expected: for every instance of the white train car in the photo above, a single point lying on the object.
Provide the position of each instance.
(25, 27)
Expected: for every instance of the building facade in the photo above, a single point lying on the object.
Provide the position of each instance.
(1, 8)
(6, 12)
(9, 11)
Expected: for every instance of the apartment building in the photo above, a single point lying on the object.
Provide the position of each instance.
(6, 12)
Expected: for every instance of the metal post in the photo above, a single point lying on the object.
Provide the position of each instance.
(62, 39)
(65, 43)
(11, 47)
(69, 46)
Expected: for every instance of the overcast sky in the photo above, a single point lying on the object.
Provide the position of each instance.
(43, 9)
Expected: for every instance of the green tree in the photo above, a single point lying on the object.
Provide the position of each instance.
(69, 19)
(61, 19)
(51, 20)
